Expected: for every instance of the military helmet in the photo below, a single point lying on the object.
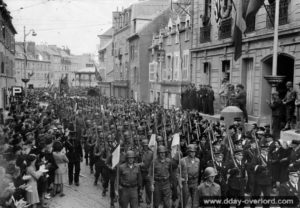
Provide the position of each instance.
(109, 138)
(159, 139)
(140, 128)
(209, 171)
(192, 148)
(130, 154)
(161, 149)
(145, 142)
(112, 126)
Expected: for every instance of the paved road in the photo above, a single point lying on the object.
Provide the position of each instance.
(85, 196)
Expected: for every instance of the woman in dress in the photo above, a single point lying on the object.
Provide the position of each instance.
(32, 196)
(61, 161)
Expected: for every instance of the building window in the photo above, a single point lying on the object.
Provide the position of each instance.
(226, 69)
(185, 66)
(283, 13)
(169, 66)
(177, 38)
(205, 34)
(152, 71)
(176, 67)
(2, 68)
(225, 28)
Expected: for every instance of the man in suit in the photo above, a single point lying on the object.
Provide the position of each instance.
(74, 154)
(289, 102)
(291, 187)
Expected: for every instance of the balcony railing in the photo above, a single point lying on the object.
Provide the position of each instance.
(225, 28)
(205, 34)
(283, 13)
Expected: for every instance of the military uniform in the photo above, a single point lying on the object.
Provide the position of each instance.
(207, 188)
(263, 177)
(147, 157)
(162, 180)
(236, 177)
(130, 179)
(190, 174)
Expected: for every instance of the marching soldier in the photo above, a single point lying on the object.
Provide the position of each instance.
(263, 182)
(291, 187)
(109, 175)
(208, 188)
(147, 157)
(250, 158)
(236, 175)
(161, 185)
(190, 174)
(221, 169)
(130, 180)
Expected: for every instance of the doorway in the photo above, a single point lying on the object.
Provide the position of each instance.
(285, 68)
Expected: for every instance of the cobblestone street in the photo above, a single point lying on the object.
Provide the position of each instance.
(85, 196)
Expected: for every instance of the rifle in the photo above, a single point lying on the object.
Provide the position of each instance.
(209, 132)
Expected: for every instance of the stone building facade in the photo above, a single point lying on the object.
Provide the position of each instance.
(169, 69)
(213, 52)
(7, 55)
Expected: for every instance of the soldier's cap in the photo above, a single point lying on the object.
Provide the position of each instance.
(296, 142)
(276, 93)
(85, 136)
(293, 171)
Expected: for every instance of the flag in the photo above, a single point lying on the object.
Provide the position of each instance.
(252, 8)
(153, 145)
(239, 28)
(175, 144)
(97, 75)
(116, 156)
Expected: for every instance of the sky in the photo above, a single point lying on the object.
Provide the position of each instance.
(72, 23)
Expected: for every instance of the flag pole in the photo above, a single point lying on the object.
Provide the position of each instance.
(275, 46)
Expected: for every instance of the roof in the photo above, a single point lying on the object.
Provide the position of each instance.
(161, 20)
(106, 45)
(108, 32)
(148, 9)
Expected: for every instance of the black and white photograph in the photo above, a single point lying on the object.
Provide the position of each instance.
(149, 103)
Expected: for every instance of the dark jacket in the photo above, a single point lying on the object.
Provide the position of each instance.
(74, 150)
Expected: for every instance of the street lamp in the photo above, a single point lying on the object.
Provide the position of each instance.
(26, 79)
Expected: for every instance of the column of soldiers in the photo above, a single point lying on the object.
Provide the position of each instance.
(211, 159)
(211, 162)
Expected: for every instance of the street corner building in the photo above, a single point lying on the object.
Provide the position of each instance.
(7, 55)
(213, 49)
